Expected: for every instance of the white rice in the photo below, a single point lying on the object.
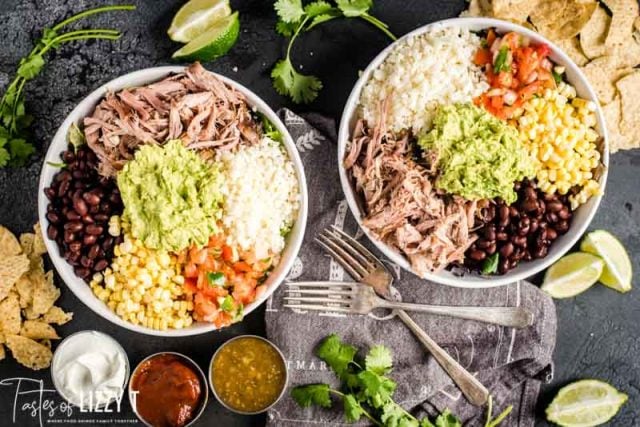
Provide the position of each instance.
(424, 71)
(261, 197)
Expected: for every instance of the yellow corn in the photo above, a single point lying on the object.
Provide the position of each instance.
(558, 129)
(144, 286)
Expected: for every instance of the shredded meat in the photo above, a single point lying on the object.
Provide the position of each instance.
(194, 106)
(402, 208)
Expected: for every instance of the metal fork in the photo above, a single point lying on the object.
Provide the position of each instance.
(364, 267)
(356, 298)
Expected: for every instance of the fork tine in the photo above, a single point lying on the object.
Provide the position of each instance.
(348, 246)
(339, 258)
(364, 251)
(317, 292)
(332, 285)
(340, 302)
(317, 308)
(346, 255)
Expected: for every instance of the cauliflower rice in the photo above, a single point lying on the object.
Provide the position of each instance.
(262, 197)
(426, 70)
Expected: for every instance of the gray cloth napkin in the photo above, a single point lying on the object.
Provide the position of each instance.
(511, 363)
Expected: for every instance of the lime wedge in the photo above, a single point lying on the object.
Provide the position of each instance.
(585, 403)
(195, 17)
(213, 43)
(617, 269)
(572, 274)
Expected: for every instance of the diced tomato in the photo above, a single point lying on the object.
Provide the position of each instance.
(491, 37)
(482, 57)
(198, 256)
(242, 267)
(190, 270)
(244, 292)
(512, 40)
(229, 254)
(527, 62)
(504, 79)
(528, 91)
(223, 319)
(497, 102)
(190, 285)
(543, 50)
(216, 241)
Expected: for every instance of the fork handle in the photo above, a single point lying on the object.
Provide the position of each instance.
(517, 317)
(470, 386)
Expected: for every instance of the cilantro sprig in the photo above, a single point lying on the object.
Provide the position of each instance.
(14, 120)
(367, 391)
(294, 19)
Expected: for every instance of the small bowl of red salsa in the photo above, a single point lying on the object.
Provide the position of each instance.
(168, 390)
(248, 374)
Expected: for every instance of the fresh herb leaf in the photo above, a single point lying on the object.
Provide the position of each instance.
(447, 419)
(391, 414)
(30, 66)
(4, 157)
(354, 8)
(379, 360)
(490, 265)
(312, 394)
(337, 354)
(556, 76)
(426, 423)
(20, 151)
(60, 165)
(500, 64)
(76, 137)
(286, 28)
(300, 87)
(497, 420)
(269, 130)
(319, 19)
(317, 8)
(376, 388)
(289, 10)
(227, 304)
(352, 409)
(216, 279)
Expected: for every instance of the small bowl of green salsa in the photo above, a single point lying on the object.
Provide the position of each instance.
(248, 374)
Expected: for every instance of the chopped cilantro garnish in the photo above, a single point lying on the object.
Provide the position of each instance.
(490, 265)
(500, 64)
(227, 304)
(216, 278)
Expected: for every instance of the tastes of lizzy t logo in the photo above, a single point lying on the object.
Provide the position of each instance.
(32, 399)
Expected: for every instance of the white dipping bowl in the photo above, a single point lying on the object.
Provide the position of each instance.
(582, 216)
(59, 144)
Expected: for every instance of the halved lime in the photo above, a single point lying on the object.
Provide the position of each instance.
(572, 274)
(617, 272)
(195, 17)
(585, 403)
(213, 43)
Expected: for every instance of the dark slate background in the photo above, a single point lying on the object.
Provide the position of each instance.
(598, 335)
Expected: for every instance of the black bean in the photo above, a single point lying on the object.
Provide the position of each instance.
(530, 205)
(96, 230)
(80, 206)
(564, 213)
(551, 234)
(89, 239)
(101, 217)
(73, 216)
(490, 232)
(75, 246)
(100, 265)
(82, 272)
(502, 236)
(554, 206)
(108, 243)
(540, 252)
(562, 226)
(513, 212)
(87, 219)
(91, 198)
(507, 249)
(52, 232)
(483, 243)
(93, 251)
(491, 249)
(477, 255)
(519, 241)
(74, 226)
(551, 217)
(53, 217)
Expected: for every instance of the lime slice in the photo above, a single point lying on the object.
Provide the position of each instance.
(572, 274)
(213, 43)
(195, 17)
(617, 269)
(585, 403)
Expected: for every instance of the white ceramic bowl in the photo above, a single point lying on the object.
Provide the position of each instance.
(582, 216)
(59, 144)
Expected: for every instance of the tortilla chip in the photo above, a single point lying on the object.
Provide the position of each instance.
(45, 342)
(513, 10)
(26, 242)
(36, 330)
(10, 321)
(560, 20)
(612, 116)
(624, 13)
(38, 243)
(9, 245)
(29, 352)
(44, 294)
(57, 315)
(602, 73)
(478, 8)
(25, 286)
(572, 48)
(629, 88)
(11, 268)
(594, 33)
(29, 314)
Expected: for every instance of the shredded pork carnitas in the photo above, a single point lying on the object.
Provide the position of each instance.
(193, 106)
(402, 207)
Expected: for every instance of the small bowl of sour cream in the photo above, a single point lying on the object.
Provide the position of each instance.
(90, 369)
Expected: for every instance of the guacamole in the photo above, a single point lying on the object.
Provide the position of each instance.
(478, 156)
(171, 197)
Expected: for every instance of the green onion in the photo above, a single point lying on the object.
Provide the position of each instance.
(500, 63)
(216, 279)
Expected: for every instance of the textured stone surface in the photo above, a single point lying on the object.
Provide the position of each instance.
(598, 334)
